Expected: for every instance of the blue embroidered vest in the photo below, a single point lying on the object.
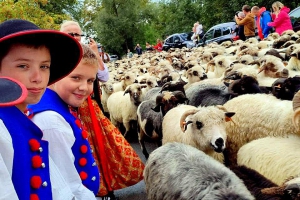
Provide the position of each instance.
(30, 173)
(84, 160)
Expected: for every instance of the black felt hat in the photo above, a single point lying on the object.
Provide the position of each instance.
(12, 92)
(65, 50)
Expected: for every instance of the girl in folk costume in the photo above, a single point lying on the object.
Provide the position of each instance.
(56, 115)
(119, 164)
(33, 57)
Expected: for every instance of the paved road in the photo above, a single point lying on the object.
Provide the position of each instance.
(137, 191)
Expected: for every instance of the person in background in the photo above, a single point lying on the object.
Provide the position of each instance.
(73, 28)
(282, 21)
(129, 53)
(149, 47)
(248, 22)
(240, 28)
(138, 49)
(265, 18)
(159, 45)
(34, 57)
(104, 55)
(56, 115)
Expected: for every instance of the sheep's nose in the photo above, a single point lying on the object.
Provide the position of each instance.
(203, 77)
(219, 145)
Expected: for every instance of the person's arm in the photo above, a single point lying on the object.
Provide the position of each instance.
(103, 76)
(242, 21)
(59, 134)
(279, 19)
(94, 47)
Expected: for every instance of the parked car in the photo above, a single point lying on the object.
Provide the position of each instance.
(113, 58)
(178, 40)
(295, 18)
(219, 33)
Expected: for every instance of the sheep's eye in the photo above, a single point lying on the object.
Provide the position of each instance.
(199, 125)
(195, 73)
(127, 77)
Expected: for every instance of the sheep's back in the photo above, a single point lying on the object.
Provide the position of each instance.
(276, 158)
(190, 173)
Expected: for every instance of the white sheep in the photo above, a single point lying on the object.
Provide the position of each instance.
(258, 116)
(106, 90)
(202, 128)
(179, 171)
(126, 79)
(276, 158)
(122, 106)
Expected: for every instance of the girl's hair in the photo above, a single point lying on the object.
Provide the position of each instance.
(68, 23)
(278, 5)
(89, 57)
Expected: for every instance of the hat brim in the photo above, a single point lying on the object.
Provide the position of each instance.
(12, 92)
(66, 51)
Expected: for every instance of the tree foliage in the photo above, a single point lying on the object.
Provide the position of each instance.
(30, 10)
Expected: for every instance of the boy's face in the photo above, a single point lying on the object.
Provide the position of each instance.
(78, 85)
(30, 66)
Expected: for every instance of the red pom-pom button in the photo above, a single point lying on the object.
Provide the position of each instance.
(34, 144)
(83, 175)
(36, 161)
(84, 134)
(83, 149)
(34, 197)
(78, 123)
(35, 182)
(82, 162)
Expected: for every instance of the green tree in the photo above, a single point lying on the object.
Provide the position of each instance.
(29, 10)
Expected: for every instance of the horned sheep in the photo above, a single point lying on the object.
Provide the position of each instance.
(202, 128)
(179, 171)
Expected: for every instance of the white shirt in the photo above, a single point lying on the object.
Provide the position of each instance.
(60, 189)
(58, 132)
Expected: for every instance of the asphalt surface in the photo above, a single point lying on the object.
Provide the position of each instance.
(137, 191)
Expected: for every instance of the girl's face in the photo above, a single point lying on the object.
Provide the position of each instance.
(30, 66)
(78, 85)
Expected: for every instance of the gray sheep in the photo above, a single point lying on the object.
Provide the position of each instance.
(182, 172)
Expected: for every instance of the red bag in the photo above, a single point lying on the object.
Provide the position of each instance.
(119, 164)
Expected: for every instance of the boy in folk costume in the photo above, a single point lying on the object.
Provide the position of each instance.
(33, 57)
(56, 115)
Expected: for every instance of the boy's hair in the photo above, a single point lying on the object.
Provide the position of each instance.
(30, 41)
(68, 23)
(89, 57)
(246, 8)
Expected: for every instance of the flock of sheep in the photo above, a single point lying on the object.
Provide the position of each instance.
(225, 118)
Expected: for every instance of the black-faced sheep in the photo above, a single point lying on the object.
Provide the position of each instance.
(276, 158)
(150, 115)
(181, 172)
(258, 116)
(202, 127)
(122, 106)
(285, 88)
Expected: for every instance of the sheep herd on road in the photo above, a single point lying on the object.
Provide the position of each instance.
(225, 117)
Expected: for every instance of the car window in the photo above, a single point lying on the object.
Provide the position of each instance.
(218, 32)
(295, 18)
(176, 37)
(226, 30)
(209, 34)
(169, 40)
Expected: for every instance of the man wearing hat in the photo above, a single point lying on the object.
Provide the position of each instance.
(36, 58)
